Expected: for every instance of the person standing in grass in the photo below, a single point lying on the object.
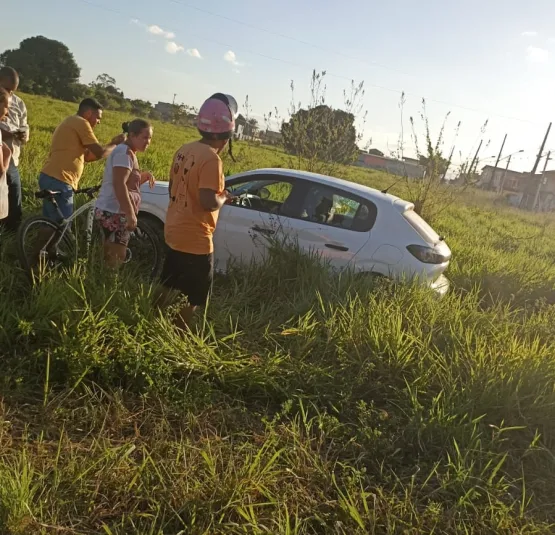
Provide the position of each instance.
(197, 192)
(73, 144)
(15, 132)
(5, 155)
(118, 202)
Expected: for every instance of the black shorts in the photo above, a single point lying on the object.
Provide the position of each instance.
(191, 274)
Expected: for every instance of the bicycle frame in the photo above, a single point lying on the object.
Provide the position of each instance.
(65, 224)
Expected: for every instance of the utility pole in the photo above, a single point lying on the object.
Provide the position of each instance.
(492, 179)
(524, 199)
(504, 175)
(448, 163)
(475, 159)
(540, 182)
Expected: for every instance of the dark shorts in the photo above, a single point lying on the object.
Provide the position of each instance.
(114, 227)
(191, 274)
(64, 199)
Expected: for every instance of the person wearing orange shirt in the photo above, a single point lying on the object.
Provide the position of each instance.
(197, 192)
(73, 144)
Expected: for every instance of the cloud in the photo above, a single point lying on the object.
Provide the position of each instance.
(173, 48)
(537, 55)
(230, 57)
(529, 34)
(135, 21)
(156, 30)
(194, 53)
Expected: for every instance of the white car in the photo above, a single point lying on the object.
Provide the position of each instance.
(350, 225)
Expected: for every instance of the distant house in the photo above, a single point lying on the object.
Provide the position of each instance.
(414, 161)
(246, 128)
(165, 109)
(546, 199)
(390, 165)
(376, 152)
(240, 123)
(270, 137)
(512, 180)
(520, 188)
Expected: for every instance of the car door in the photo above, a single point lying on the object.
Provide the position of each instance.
(246, 227)
(334, 224)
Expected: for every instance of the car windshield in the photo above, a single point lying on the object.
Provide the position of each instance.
(418, 224)
(251, 187)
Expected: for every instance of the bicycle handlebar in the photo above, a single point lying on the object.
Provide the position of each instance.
(45, 193)
(87, 191)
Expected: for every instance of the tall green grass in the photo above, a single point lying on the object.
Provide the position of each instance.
(302, 403)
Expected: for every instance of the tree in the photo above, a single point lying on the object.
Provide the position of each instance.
(435, 164)
(321, 133)
(321, 137)
(105, 81)
(45, 67)
(141, 108)
(182, 114)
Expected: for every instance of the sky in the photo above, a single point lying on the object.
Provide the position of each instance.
(480, 60)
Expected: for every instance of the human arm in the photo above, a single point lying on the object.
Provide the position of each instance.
(6, 134)
(95, 151)
(22, 134)
(17, 129)
(120, 177)
(211, 200)
(211, 196)
(5, 159)
(122, 167)
(147, 176)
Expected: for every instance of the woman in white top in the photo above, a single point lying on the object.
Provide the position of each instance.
(5, 155)
(119, 198)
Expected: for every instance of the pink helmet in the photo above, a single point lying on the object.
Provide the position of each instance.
(216, 117)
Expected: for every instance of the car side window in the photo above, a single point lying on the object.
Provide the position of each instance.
(337, 209)
(265, 195)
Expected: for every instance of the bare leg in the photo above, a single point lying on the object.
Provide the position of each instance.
(114, 254)
(185, 314)
(184, 317)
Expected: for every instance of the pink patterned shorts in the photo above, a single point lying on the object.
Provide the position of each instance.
(113, 226)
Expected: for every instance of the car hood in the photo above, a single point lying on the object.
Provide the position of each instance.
(160, 188)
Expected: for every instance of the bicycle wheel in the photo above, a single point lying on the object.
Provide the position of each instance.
(36, 239)
(144, 251)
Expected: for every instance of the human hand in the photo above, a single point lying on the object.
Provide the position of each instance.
(20, 135)
(119, 139)
(229, 198)
(131, 221)
(147, 176)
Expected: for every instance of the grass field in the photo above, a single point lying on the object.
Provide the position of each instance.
(304, 403)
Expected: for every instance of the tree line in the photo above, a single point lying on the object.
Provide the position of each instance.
(315, 133)
(47, 67)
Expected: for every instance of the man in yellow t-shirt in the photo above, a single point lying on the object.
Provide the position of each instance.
(73, 144)
(197, 192)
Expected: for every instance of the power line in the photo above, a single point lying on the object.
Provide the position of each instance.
(346, 56)
(285, 36)
(333, 75)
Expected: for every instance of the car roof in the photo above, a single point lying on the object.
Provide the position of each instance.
(352, 187)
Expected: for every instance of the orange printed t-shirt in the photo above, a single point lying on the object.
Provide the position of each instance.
(66, 159)
(189, 227)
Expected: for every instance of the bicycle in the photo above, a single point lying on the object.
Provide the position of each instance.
(60, 245)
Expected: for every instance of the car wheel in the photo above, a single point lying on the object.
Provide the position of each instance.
(155, 224)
